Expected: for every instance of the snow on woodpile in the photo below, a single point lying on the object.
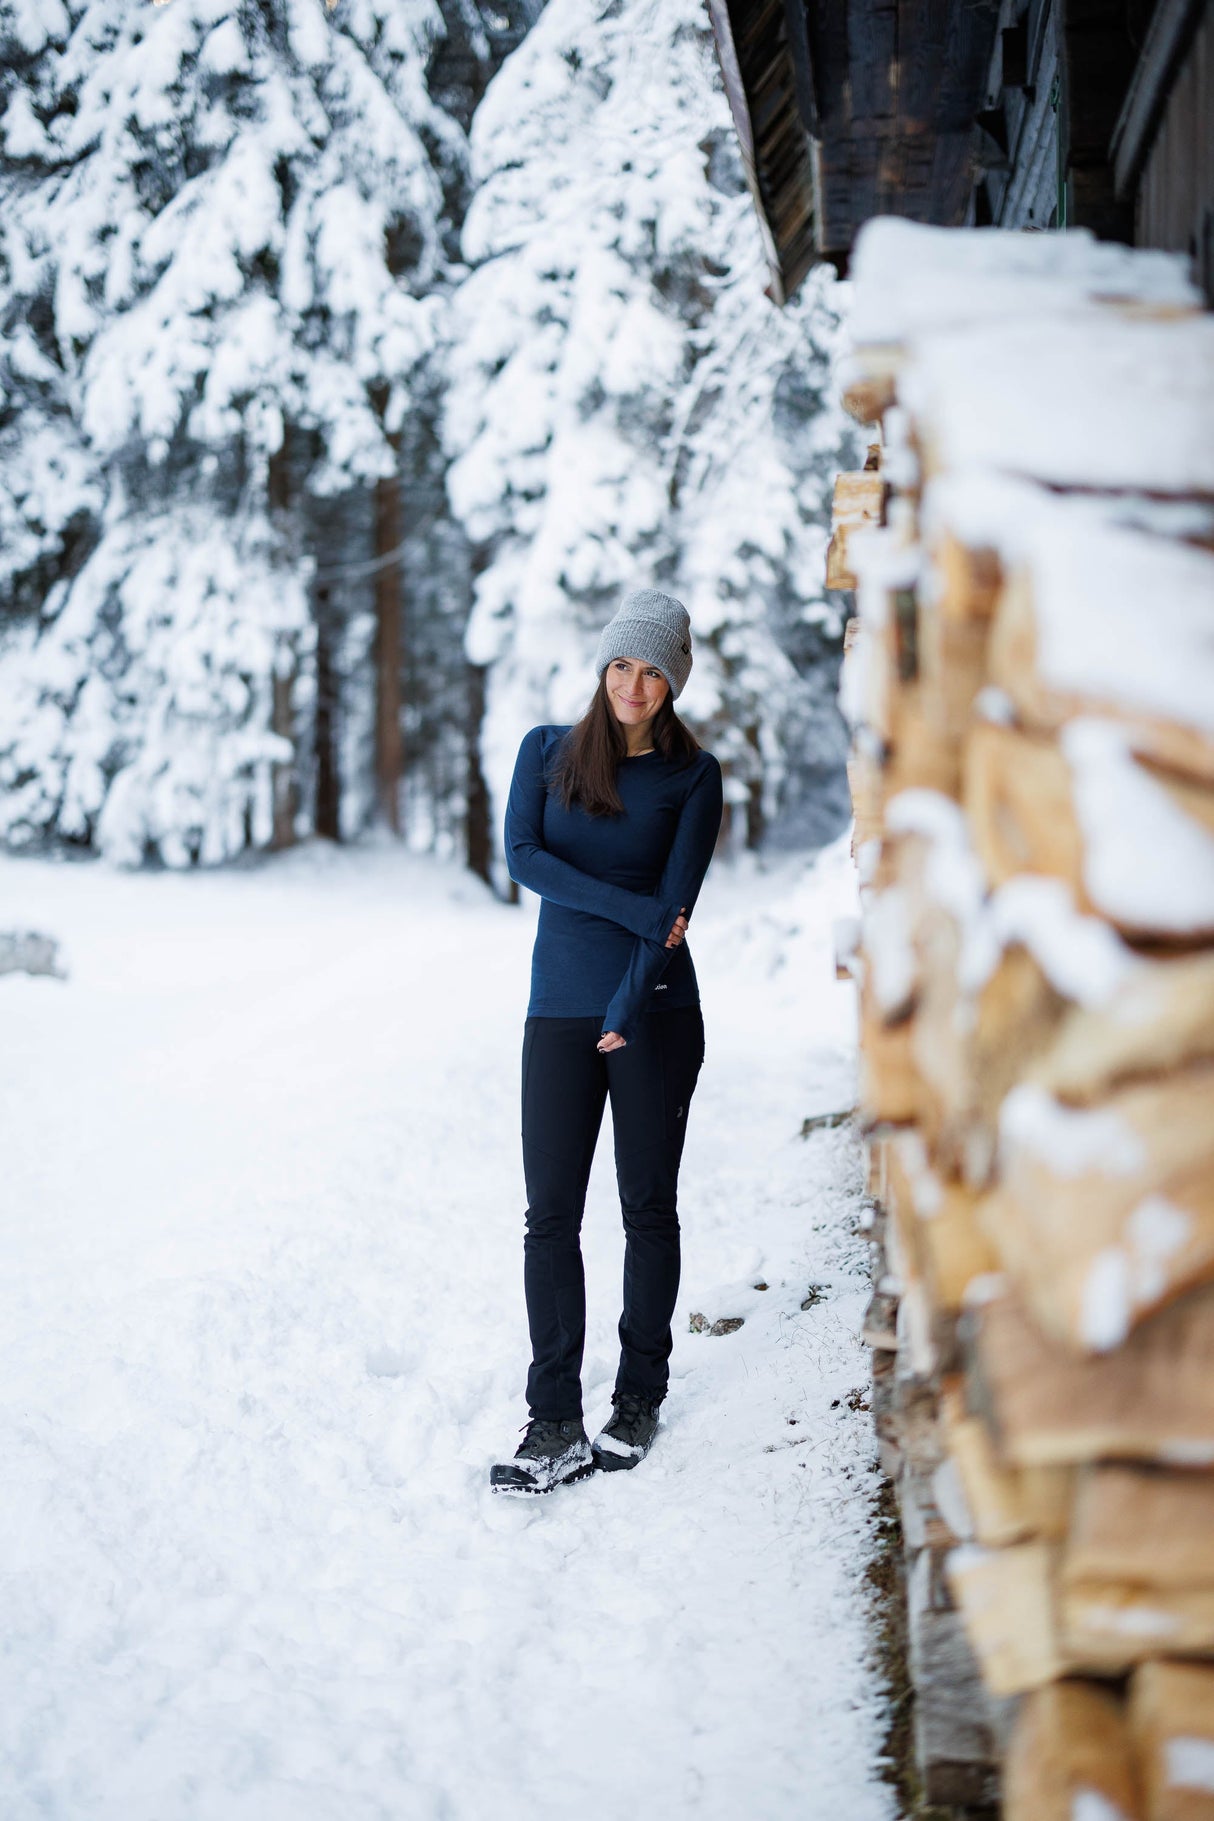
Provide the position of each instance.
(913, 280)
(1030, 688)
(1089, 400)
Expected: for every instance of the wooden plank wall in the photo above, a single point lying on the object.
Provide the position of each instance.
(1175, 205)
(1026, 194)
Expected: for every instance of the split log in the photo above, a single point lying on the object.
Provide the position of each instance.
(1137, 1573)
(1006, 1599)
(882, 655)
(876, 1183)
(973, 1046)
(923, 753)
(954, 631)
(890, 1091)
(1109, 1625)
(1070, 1755)
(1161, 1019)
(869, 678)
(1027, 1629)
(917, 1342)
(870, 388)
(1020, 794)
(866, 782)
(1148, 1526)
(924, 1524)
(955, 1719)
(1047, 1406)
(969, 580)
(1172, 1726)
(956, 1250)
(879, 1328)
(885, 1416)
(939, 1222)
(858, 503)
(1172, 735)
(1006, 1504)
(1103, 1214)
(917, 1403)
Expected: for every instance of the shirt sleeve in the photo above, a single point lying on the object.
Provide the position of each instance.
(530, 863)
(690, 852)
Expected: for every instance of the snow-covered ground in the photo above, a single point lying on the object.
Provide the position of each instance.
(262, 1331)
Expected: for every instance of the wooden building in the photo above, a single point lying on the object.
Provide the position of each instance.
(1016, 113)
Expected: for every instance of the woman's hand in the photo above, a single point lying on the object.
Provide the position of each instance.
(611, 1040)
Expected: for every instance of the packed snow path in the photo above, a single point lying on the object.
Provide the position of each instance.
(263, 1332)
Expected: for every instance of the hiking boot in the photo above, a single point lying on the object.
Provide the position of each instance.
(549, 1455)
(628, 1436)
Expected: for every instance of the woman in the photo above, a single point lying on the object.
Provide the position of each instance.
(613, 823)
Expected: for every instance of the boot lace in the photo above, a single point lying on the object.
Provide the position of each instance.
(632, 1413)
(540, 1437)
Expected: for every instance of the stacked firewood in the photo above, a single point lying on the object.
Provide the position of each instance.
(1030, 684)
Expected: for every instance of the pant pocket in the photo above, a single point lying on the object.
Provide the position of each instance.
(684, 1045)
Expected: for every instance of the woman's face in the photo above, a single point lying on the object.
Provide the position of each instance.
(636, 691)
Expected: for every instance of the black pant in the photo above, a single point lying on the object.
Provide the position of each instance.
(565, 1085)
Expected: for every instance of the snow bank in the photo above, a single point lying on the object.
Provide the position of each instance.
(262, 1331)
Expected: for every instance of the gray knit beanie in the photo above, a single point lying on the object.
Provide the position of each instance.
(654, 628)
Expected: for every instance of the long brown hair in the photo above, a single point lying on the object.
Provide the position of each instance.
(584, 771)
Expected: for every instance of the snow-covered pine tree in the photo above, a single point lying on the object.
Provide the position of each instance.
(626, 407)
(218, 224)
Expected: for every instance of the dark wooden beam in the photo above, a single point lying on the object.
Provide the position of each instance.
(1097, 63)
(797, 33)
(1169, 36)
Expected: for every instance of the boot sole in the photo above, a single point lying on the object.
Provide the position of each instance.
(517, 1489)
(617, 1463)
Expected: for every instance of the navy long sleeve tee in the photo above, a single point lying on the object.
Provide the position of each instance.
(612, 886)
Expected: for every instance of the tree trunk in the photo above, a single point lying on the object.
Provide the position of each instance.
(284, 778)
(284, 775)
(756, 821)
(328, 788)
(389, 614)
(478, 842)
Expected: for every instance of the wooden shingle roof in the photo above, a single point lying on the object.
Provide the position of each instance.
(847, 109)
